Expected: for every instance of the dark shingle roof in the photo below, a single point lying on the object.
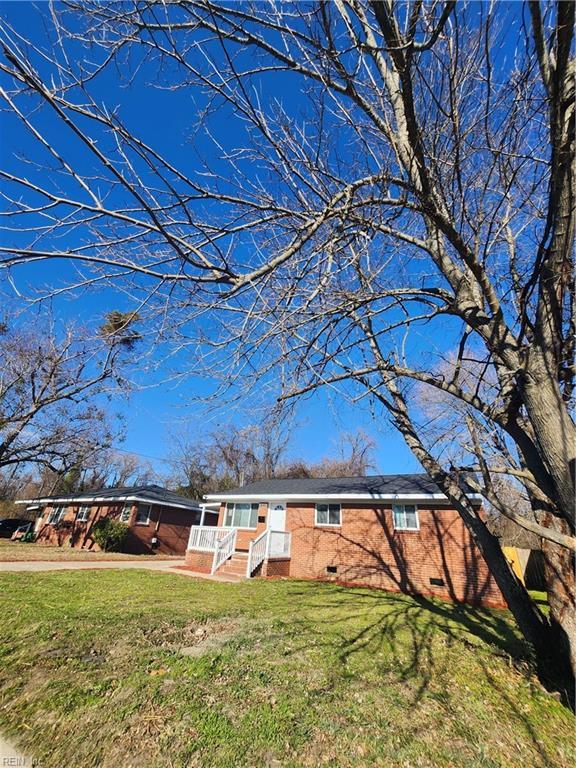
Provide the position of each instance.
(373, 485)
(152, 493)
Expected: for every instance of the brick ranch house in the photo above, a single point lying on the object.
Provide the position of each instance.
(159, 520)
(395, 532)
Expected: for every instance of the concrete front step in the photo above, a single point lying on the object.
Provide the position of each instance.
(236, 565)
(235, 574)
(232, 569)
(188, 570)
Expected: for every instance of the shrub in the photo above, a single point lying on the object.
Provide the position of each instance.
(109, 534)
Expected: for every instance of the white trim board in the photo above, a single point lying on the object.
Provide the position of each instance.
(410, 497)
(110, 500)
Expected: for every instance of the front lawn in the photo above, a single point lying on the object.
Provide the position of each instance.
(144, 669)
(17, 551)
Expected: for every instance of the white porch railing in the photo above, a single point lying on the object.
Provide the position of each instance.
(268, 544)
(257, 553)
(279, 543)
(206, 537)
(224, 549)
(221, 541)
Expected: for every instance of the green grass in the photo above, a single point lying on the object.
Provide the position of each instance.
(541, 600)
(140, 669)
(18, 551)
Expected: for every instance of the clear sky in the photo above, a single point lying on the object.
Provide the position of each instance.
(157, 409)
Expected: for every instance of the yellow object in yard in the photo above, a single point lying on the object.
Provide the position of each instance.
(518, 559)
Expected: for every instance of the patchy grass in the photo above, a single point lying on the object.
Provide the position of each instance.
(16, 551)
(140, 669)
(541, 600)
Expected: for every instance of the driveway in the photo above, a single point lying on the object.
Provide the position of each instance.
(165, 566)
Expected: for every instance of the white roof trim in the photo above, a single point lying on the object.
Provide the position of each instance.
(337, 497)
(110, 499)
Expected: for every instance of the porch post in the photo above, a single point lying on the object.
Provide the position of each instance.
(249, 561)
(267, 552)
(190, 537)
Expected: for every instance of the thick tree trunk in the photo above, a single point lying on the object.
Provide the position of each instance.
(530, 620)
(556, 436)
(561, 588)
(552, 658)
(554, 642)
(557, 447)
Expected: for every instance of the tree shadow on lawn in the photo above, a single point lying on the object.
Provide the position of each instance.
(407, 628)
(444, 557)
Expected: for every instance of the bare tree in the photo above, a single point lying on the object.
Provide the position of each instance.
(108, 468)
(12, 480)
(233, 456)
(193, 471)
(417, 202)
(51, 397)
(229, 457)
(354, 457)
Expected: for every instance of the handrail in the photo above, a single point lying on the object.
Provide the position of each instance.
(27, 526)
(257, 552)
(206, 537)
(224, 549)
(21, 532)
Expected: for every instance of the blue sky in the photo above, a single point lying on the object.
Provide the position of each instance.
(155, 410)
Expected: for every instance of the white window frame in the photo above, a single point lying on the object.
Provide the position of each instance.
(126, 513)
(328, 525)
(83, 514)
(141, 507)
(405, 527)
(231, 508)
(56, 515)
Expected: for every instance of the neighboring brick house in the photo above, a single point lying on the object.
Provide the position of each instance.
(395, 532)
(159, 520)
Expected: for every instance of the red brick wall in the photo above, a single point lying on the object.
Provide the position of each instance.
(138, 540)
(275, 568)
(69, 532)
(199, 561)
(170, 525)
(366, 549)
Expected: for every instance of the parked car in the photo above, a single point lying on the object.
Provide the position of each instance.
(10, 524)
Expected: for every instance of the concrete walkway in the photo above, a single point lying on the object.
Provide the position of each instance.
(164, 566)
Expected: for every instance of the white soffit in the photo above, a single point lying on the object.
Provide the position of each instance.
(410, 497)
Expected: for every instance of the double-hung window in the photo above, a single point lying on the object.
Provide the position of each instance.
(328, 514)
(83, 513)
(126, 513)
(241, 515)
(405, 517)
(56, 514)
(143, 514)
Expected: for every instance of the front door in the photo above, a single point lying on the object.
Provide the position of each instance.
(277, 516)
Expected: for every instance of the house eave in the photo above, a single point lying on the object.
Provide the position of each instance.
(108, 500)
(363, 497)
